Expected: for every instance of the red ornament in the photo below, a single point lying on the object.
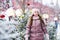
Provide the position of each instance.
(2, 16)
(28, 4)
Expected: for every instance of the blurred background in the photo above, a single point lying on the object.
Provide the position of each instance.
(15, 13)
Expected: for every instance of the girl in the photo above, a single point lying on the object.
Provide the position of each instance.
(35, 28)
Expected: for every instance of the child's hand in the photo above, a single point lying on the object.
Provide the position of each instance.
(47, 36)
(26, 37)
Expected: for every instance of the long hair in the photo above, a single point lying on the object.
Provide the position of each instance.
(31, 20)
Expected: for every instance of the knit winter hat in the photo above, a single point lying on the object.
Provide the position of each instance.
(35, 9)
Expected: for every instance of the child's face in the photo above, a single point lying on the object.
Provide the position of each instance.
(36, 13)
